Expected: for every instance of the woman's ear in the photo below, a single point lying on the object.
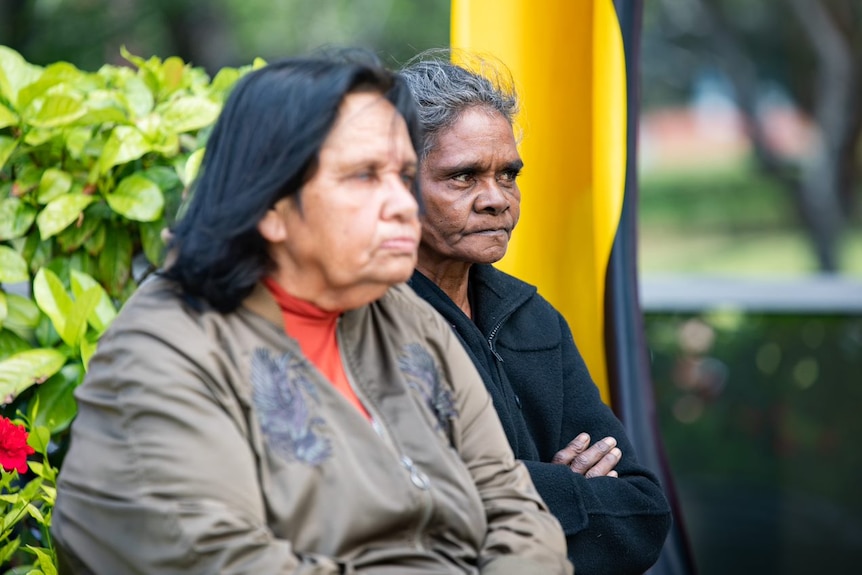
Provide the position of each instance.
(272, 225)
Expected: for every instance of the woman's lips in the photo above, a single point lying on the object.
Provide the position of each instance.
(491, 232)
(401, 244)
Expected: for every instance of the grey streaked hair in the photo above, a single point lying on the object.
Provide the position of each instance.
(444, 90)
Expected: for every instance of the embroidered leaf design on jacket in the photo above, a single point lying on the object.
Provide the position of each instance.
(422, 374)
(282, 395)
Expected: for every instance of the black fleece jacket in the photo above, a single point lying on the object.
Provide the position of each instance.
(544, 395)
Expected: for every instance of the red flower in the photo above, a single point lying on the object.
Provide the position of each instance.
(13, 446)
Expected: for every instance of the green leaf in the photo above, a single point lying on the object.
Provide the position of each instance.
(115, 260)
(76, 320)
(22, 315)
(54, 183)
(39, 437)
(88, 348)
(35, 137)
(74, 237)
(77, 140)
(192, 167)
(7, 146)
(137, 198)
(224, 81)
(30, 489)
(53, 406)
(125, 144)
(56, 78)
(7, 117)
(172, 74)
(61, 212)
(165, 177)
(10, 343)
(151, 241)
(96, 243)
(59, 107)
(131, 58)
(3, 309)
(46, 560)
(52, 298)
(8, 550)
(27, 176)
(16, 217)
(104, 312)
(83, 262)
(139, 96)
(15, 73)
(50, 493)
(13, 268)
(46, 335)
(189, 113)
(39, 253)
(104, 107)
(69, 317)
(24, 369)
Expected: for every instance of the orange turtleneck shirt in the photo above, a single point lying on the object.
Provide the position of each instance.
(314, 329)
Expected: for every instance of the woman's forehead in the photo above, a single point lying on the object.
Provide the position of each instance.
(368, 125)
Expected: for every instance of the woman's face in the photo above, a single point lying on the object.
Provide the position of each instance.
(355, 229)
(469, 186)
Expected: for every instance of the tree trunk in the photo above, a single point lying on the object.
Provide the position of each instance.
(827, 176)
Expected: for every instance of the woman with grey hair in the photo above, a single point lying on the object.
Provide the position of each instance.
(612, 509)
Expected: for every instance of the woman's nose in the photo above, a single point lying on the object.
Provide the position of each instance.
(400, 202)
(492, 200)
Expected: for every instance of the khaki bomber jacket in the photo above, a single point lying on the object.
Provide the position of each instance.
(207, 443)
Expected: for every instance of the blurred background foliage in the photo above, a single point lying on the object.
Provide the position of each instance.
(759, 415)
(749, 168)
(217, 33)
(752, 111)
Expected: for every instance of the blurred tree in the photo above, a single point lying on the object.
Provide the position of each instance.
(809, 51)
(217, 33)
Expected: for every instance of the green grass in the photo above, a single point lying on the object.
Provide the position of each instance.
(770, 253)
(729, 220)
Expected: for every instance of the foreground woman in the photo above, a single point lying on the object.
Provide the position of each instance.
(274, 402)
(612, 509)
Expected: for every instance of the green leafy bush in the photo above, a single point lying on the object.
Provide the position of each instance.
(93, 168)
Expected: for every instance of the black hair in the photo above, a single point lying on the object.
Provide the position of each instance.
(264, 147)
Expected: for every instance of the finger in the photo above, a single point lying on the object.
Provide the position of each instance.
(572, 450)
(613, 474)
(585, 461)
(606, 464)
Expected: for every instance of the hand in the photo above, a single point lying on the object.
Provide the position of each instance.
(596, 461)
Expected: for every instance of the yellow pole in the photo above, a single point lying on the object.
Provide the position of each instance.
(568, 61)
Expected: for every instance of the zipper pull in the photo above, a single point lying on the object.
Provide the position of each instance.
(418, 478)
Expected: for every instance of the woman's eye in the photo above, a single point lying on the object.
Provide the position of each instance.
(408, 179)
(509, 176)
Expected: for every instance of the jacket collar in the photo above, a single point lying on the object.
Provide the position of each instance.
(495, 296)
(260, 302)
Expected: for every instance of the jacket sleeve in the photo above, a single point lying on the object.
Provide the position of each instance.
(160, 477)
(612, 525)
(522, 537)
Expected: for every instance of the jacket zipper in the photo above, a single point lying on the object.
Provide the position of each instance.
(491, 339)
(417, 477)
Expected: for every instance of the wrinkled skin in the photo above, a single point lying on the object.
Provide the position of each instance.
(469, 184)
